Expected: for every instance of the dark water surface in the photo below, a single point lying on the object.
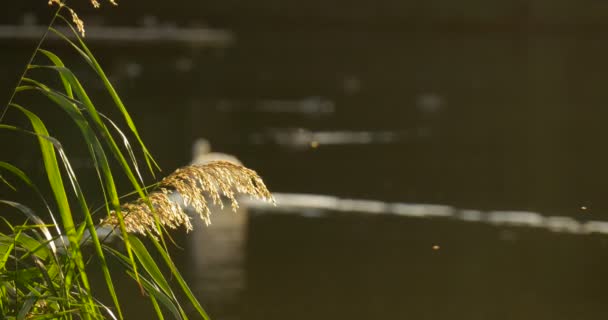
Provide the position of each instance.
(481, 109)
(384, 267)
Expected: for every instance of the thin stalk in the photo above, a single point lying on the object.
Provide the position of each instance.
(29, 62)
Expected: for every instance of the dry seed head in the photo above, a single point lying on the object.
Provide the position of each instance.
(58, 2)
(94, 3)
(79, 23)
(199, 186)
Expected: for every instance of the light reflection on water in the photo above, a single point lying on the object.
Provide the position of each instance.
(308, 205)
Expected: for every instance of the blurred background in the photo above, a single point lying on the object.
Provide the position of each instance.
(431, 159)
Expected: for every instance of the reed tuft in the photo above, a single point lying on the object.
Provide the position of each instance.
(199, 187)
(77, 21)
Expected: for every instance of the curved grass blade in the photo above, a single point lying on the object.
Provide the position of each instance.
(56, 270)
(182, 283)
(97, 151)
(7, 183)
(19, 173)
(156, 296)
(159, 313)
(148, 263)
(150, 266)
(45, 275)
(94, 114)
(90, 59)
(31, 246)
(56, 181)
(27, 305)
(32, 216)
(53, 173)
(16, 171)
(127, 145)
(88, 56)
(152, 287)
(6, 249)
(57, 61)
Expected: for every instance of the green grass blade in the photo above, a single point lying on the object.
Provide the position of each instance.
(93, 113)
(3, 180)
(57, 61)
(156, 296)
(127, 145)
(84, 51)
(182, 283)
(53, 173)
(59, 191)
(148, 263)
(98, 154)
(69, 106)
(19, 173)
(29, 213)
(152, 287)
(96, 118)
(5, 250)
(27, 306)
(16, 171)
(150, 266)
(45, 275)
(159, 313)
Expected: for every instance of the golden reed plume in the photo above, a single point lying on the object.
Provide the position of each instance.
(77, 21)
(198, 186)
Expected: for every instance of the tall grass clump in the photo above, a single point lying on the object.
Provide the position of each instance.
(43, 267)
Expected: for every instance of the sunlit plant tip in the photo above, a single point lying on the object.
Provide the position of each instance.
(198, 186)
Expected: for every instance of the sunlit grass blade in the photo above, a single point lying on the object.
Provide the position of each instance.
(148, 263)
(31, 246)
(57, 61)
(7, 245)
(45, 275)
(126, 143)
(152, 286)
(182, 283)
(19, 173)
(86, 102)
(153, 300)
(29, 213)
(3, 180)
(97, 152)
(156, 295)
(59, 191)
(84, 51)
(16, 171)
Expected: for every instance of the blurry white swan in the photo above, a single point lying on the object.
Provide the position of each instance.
(201, 153)
(218, 250)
